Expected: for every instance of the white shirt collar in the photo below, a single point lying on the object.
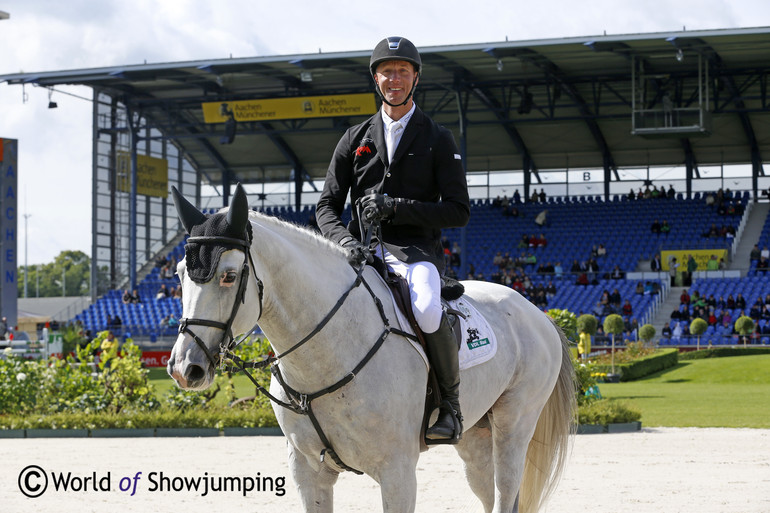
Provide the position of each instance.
(387, 120)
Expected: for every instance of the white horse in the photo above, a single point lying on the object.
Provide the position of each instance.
(518, 407)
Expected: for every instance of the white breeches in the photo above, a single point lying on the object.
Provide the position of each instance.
(425, 290)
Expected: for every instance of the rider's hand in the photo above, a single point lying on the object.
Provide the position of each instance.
(356, 252)
(377, 207)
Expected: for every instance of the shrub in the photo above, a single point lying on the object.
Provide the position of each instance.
(645, 365)
(607, 411)
(647, 332)
(744, 325)
(614, 324)
(587, 323)
(566, 320)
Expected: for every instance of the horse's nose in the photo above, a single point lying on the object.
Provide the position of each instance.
(195, 373)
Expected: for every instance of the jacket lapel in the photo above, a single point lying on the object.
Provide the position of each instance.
(412, 129)
(378, 131)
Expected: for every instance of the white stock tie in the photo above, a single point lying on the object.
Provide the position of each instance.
(394, 136)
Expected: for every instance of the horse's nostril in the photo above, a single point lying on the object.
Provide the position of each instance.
(195, 373)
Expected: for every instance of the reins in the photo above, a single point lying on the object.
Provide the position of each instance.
(298, 402)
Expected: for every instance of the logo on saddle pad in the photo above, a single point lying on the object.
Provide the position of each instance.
(473, 341)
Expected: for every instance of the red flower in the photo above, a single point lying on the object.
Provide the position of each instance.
(362, 149)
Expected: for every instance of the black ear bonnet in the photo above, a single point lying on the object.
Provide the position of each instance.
(202, 259)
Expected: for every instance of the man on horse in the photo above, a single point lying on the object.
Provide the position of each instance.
(405, 171)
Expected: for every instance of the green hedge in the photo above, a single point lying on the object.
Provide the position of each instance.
(719, 352)
(211, 417)
(607, 411)
(643, 366)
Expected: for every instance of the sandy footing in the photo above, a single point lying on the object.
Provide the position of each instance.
(660, 470)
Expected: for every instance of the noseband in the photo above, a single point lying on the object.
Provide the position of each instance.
(227, 341)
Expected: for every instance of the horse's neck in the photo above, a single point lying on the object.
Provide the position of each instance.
(303, 279)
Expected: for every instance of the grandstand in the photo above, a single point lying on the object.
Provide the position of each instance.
(576, 225)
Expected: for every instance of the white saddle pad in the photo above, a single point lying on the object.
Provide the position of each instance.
(479, 343)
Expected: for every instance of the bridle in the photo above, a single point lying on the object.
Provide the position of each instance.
(227, 341)
(300, 403)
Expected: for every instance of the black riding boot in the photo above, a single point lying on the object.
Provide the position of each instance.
(442, 352)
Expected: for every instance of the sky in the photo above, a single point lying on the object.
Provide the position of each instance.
(50, 35)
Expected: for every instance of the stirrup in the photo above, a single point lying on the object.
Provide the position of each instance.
(457, 431)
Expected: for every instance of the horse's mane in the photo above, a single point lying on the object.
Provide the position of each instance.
(294, 230)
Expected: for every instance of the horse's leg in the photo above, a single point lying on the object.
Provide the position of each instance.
(398, 484)
(476, 451)
(511, 433)
(315, 486)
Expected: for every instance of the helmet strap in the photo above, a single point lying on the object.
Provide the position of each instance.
(408, 97)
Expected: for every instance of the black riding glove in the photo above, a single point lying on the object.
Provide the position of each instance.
(377, 207)
(356, 252)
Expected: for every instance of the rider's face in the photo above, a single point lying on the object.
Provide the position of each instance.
(395, 80)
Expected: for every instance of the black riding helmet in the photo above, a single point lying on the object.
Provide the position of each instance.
(395, 48)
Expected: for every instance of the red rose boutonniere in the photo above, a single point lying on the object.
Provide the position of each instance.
(362, 149)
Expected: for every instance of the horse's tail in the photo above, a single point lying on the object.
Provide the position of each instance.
(548, 450)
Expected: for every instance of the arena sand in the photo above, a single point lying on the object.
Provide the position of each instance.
(660, 470)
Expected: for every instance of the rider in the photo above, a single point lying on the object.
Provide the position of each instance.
(403, 169)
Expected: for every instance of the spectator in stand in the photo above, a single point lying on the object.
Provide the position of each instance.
(712, 264)
(671, 194)
(676, 335)
(692, 266)
(650, 288)
(605, 299)
(593, 269)
(542, 196)
(497, 261)
(765, 313)
(616, 273)
(711, 301)
(627, 310)
(762, 265)
(615, 298)
(455, 259)
(535, 197)
(767, 299)
(594, 251)
(576, 267)
(640, 288)
(684, 298)
(665, 228)
(721, 304)
(712, 319)
(666, 331)
(601, 251)
(765, 252)
(516, 196)
(756, 310)
(558, 271)
(673, 267)
(582, 278)
(740, 301)
(655, 264)
(730, 302)
(162, 292)
(656, 226)
(127, 297)
(632, 195)
(713, 231)
(727, 319)
(550, 290)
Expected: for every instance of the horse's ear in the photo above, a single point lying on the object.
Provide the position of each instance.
(188, 214)
(238, 215)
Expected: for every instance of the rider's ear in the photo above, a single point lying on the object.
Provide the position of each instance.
(238, 215)
(188, 214)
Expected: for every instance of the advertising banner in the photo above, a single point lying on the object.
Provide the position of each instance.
(299, 107)
(151, 175)
(8, 230)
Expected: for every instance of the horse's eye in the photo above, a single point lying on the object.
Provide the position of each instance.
(228, 278)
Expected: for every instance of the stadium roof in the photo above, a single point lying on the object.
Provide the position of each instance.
(524, 105)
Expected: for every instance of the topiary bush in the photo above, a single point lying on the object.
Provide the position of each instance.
(566, 320)
(647, 332)
(614, 324)
(587, 323)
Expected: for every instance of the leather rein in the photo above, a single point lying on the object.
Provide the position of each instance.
(300, 403)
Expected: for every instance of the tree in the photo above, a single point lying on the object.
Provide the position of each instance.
(647, 332)
(68, 275)
(613, 324)
(744, 325)
(698, 327)
(587, 323)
